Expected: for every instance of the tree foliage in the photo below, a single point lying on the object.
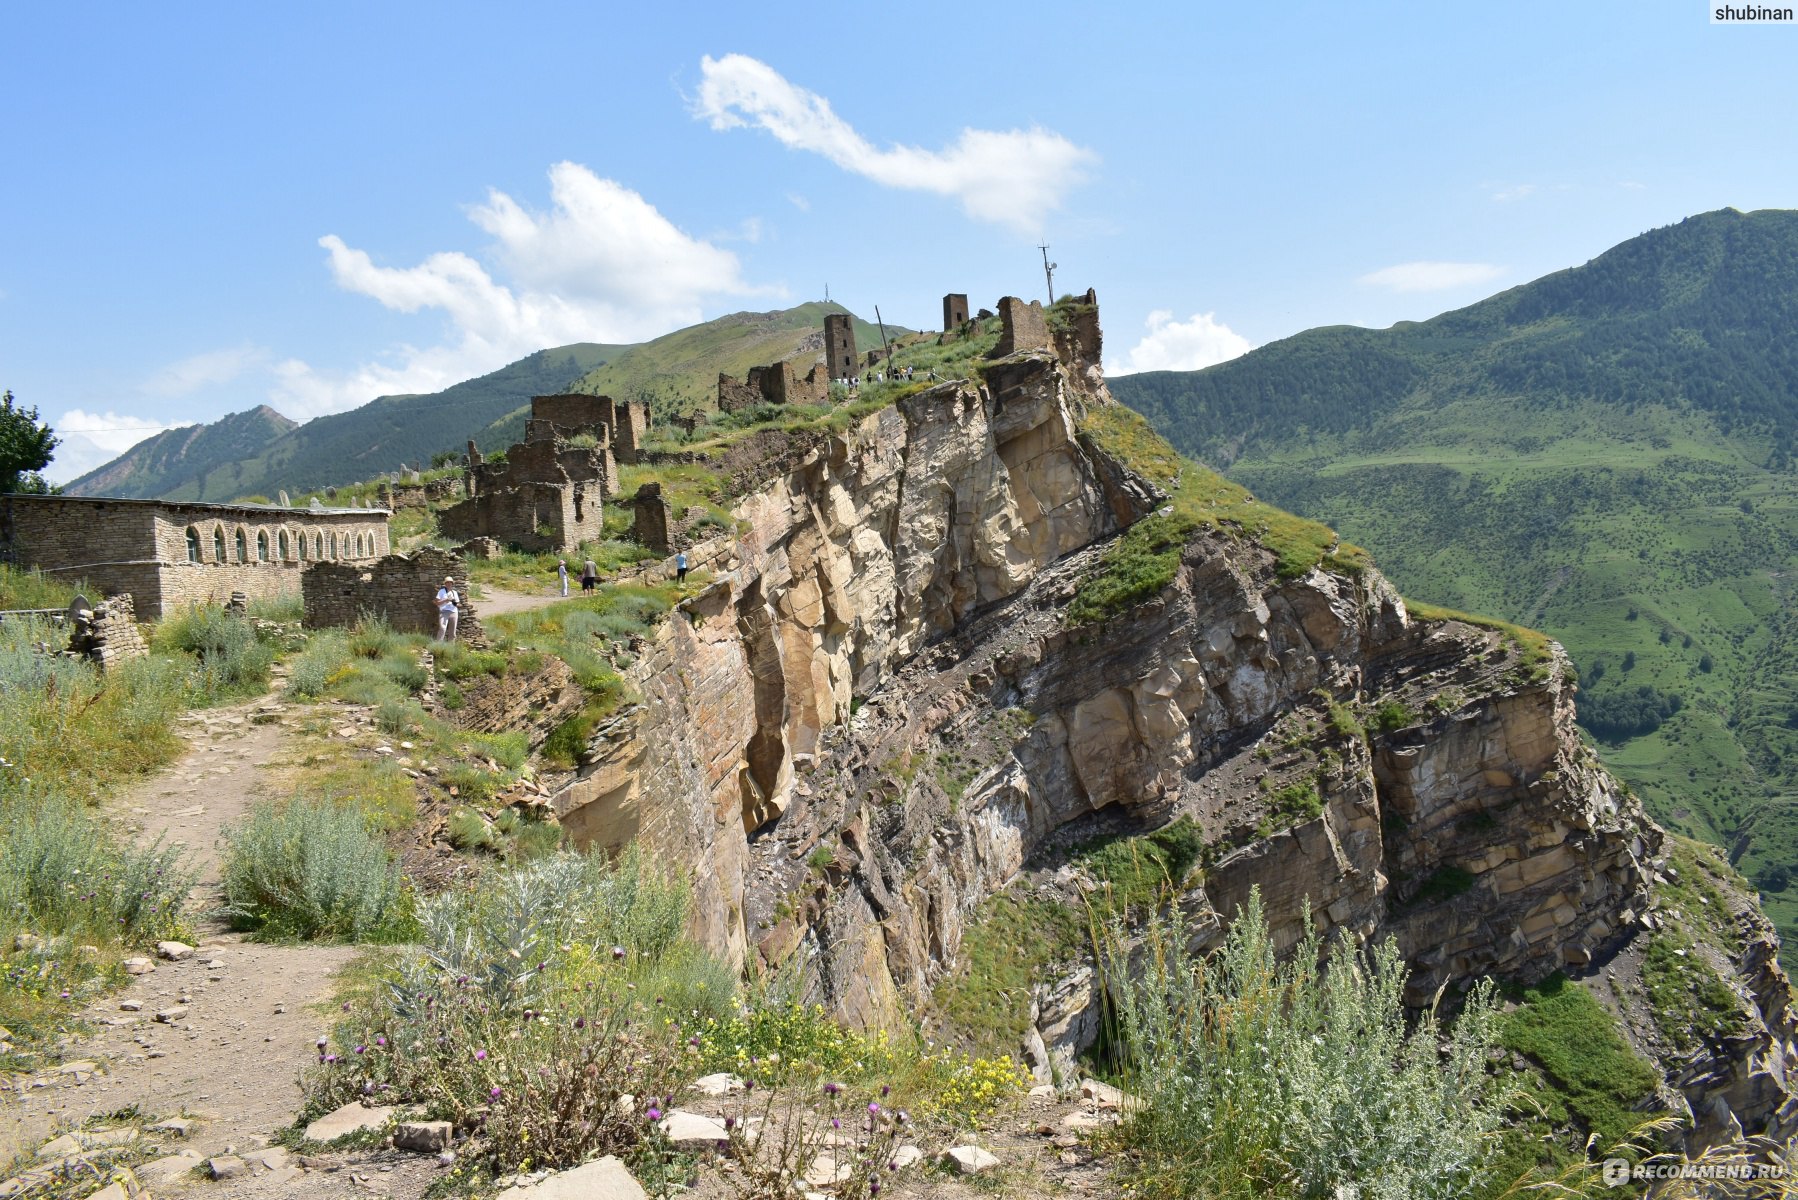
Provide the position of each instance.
(26, 447)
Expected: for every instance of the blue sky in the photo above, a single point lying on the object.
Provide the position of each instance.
(208, 207)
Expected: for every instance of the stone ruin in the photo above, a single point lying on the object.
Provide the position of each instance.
(547, 495)
(955, 311)
(401, 589)
(776, 383)
(106, 633)
(652, 520)
(1025, 327)
(395, 496)
(839, 346)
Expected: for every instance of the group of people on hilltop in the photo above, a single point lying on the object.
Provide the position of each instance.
(449, 601)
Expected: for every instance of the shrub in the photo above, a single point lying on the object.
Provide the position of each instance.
(28, 587)
(1391, 717)
(313, 870)
(533, 1004)
(232, 660)
(313, 670)
(62, 871)
(1259, 1078)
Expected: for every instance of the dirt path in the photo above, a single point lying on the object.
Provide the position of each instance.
(238, 1020)
(496, 602)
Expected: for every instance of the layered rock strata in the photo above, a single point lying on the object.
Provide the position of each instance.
(877, 717)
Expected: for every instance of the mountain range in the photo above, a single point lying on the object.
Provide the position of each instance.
(1605, 453)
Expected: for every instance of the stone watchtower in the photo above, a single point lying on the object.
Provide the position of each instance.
(839, 346)
(955, 311)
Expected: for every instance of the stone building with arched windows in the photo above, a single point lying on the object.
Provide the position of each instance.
(169, 554)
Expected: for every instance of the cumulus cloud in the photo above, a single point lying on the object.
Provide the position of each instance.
(1431, 276)
(1170, 345)
(91, 439)
(1013, 177)
(601, 265)
(209, 369)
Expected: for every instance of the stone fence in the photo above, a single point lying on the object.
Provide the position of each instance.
(400, 589)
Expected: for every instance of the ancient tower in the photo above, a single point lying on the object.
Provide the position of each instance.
(839, 346)
(955, 311)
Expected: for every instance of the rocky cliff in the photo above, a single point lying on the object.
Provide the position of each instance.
(877, 718)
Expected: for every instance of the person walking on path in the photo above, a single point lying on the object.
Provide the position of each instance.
(448, 609)
(680, 567)
(589, 575)
(562, 576)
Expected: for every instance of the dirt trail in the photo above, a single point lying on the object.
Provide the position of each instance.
(495, 602)
(247, 1017)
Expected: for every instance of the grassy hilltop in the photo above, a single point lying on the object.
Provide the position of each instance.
(1604, 453)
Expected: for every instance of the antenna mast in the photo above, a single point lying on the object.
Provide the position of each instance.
(1049, 272)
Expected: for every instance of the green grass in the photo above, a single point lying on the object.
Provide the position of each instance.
(1147, 556)
(1587, 1077)
(31, 588)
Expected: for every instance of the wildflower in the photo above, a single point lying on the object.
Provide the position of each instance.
(580, 1022)
(380, 1040)
(730, 1123)
(617, 952)
(886, 1089)
(836, 1123)
(480, 1055)
(361, 1049)
(654, 1114)
(494, 1093)
(873, 1109)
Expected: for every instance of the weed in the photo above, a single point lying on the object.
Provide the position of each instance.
(313, 870)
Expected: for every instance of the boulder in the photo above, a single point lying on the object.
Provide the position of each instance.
(353, 1117)
(602, 1179)
(227, 1166)
(690, 1131)
(423, 1137)
(970, 1160)
(174, 951)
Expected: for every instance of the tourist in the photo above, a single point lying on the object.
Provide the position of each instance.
(589, 575)
(562, 575)
(448, 609)
(680, 567)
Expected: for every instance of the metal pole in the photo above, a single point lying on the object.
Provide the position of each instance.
(885, 348)
(1049, 272)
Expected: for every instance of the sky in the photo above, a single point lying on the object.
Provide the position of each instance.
(207, 207)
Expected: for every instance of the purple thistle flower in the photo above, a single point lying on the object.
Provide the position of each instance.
(617, 952)
(873, 1187)
(480, 1055)
(380, 1040)
(886, 1089)
(654, 1114)
(730, 1123)
(836, 1123)
(580, 1022)
(495, 1093)
(873, 1109)
(831, 1089)
(361, 1049)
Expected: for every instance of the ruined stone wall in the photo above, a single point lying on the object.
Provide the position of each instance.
(573, 411)
(1024, 328)
(109, 635)
(143, 547)
(395, 496)
(546, 496)
(839, 346)
(955, 311)
(401, 589)
(734, 395)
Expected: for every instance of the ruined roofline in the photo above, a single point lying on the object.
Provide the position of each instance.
(9, 497)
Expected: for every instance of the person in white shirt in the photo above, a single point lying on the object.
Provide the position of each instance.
(562, 575)
(448, 608)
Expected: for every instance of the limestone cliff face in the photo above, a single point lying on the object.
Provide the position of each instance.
(877, 717)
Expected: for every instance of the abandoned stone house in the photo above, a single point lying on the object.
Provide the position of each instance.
(776, 383)
(170, 554)
(955, 311)
(548, 493)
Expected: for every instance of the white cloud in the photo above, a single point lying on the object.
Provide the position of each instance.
(1520, 191)
(1431, 276)
(90, 439)
(1170, 345)
(602, 265)
(797, 200)
(1013, 177)
(209, 369)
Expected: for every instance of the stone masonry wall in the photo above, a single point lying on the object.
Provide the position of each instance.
(401, 589)
(170, 555)
(839, 346)
(1025, 327)
(955, 311)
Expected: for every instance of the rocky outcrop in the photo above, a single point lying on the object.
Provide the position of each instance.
(877, 717)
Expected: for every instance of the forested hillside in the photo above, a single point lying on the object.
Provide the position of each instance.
(1604, 453)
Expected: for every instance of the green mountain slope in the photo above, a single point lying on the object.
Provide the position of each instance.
(177, 456)
(1605, 453)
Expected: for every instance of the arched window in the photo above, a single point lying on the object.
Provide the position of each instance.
(318, 545)
(243, 547)
(262, 545)
(286, 547)
(218, 543)
(333, 545)
(302, 541)
(361, 547)
(193, 544)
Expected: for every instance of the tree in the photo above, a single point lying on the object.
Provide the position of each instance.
(26, 447)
